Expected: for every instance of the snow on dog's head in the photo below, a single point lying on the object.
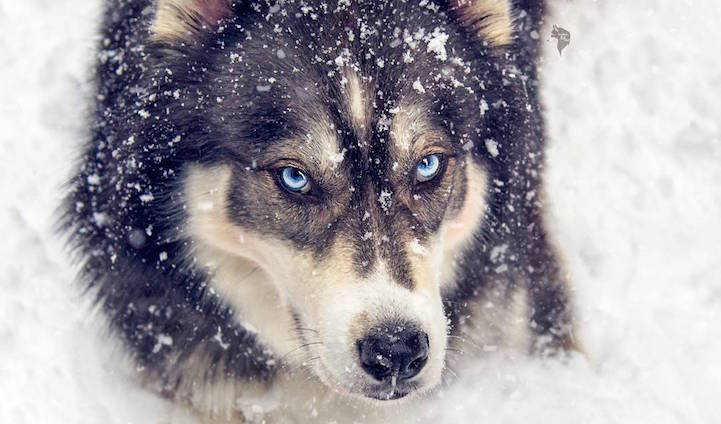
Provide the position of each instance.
(337, 186)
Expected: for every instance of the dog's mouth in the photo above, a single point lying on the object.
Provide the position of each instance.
(384, 392)
(391, 390)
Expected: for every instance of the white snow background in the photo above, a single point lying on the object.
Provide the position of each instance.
(634, 178)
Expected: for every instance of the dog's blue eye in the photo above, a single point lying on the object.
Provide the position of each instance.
(428, 168)
(294, 180)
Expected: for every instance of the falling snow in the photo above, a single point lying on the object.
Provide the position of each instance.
(386, 200)
(437, 44)
(492, 147)
(633, 181)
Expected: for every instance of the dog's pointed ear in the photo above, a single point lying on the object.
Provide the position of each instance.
(183, 19)
(492, 20)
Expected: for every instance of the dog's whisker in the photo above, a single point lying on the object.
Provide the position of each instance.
(301, 365)
(450, 370)
(466, 341)
(304, 345)
(307, 329)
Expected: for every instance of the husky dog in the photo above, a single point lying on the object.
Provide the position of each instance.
(316, 199)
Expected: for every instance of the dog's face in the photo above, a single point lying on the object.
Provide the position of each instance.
(339, 170)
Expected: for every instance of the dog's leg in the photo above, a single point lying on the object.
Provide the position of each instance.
(550, 307)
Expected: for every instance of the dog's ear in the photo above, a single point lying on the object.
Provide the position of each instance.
(177, 20)
(492, 20)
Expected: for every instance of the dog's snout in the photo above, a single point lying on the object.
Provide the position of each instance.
(400, 352)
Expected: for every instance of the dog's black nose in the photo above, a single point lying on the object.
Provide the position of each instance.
(398, 351)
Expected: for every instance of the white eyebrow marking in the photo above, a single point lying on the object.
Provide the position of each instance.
(357, 100)
(407, 123)
(324, 139)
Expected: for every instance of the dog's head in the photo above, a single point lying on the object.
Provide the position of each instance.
(338, 163)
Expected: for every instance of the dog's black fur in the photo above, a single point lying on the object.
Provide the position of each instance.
(156, 112)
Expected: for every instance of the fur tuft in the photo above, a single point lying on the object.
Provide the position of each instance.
(490, 19)
(181, 19)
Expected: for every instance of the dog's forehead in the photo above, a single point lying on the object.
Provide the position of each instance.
(355, 125)
(349, 84)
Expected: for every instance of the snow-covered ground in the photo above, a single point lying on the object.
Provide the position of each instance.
(634, 113)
